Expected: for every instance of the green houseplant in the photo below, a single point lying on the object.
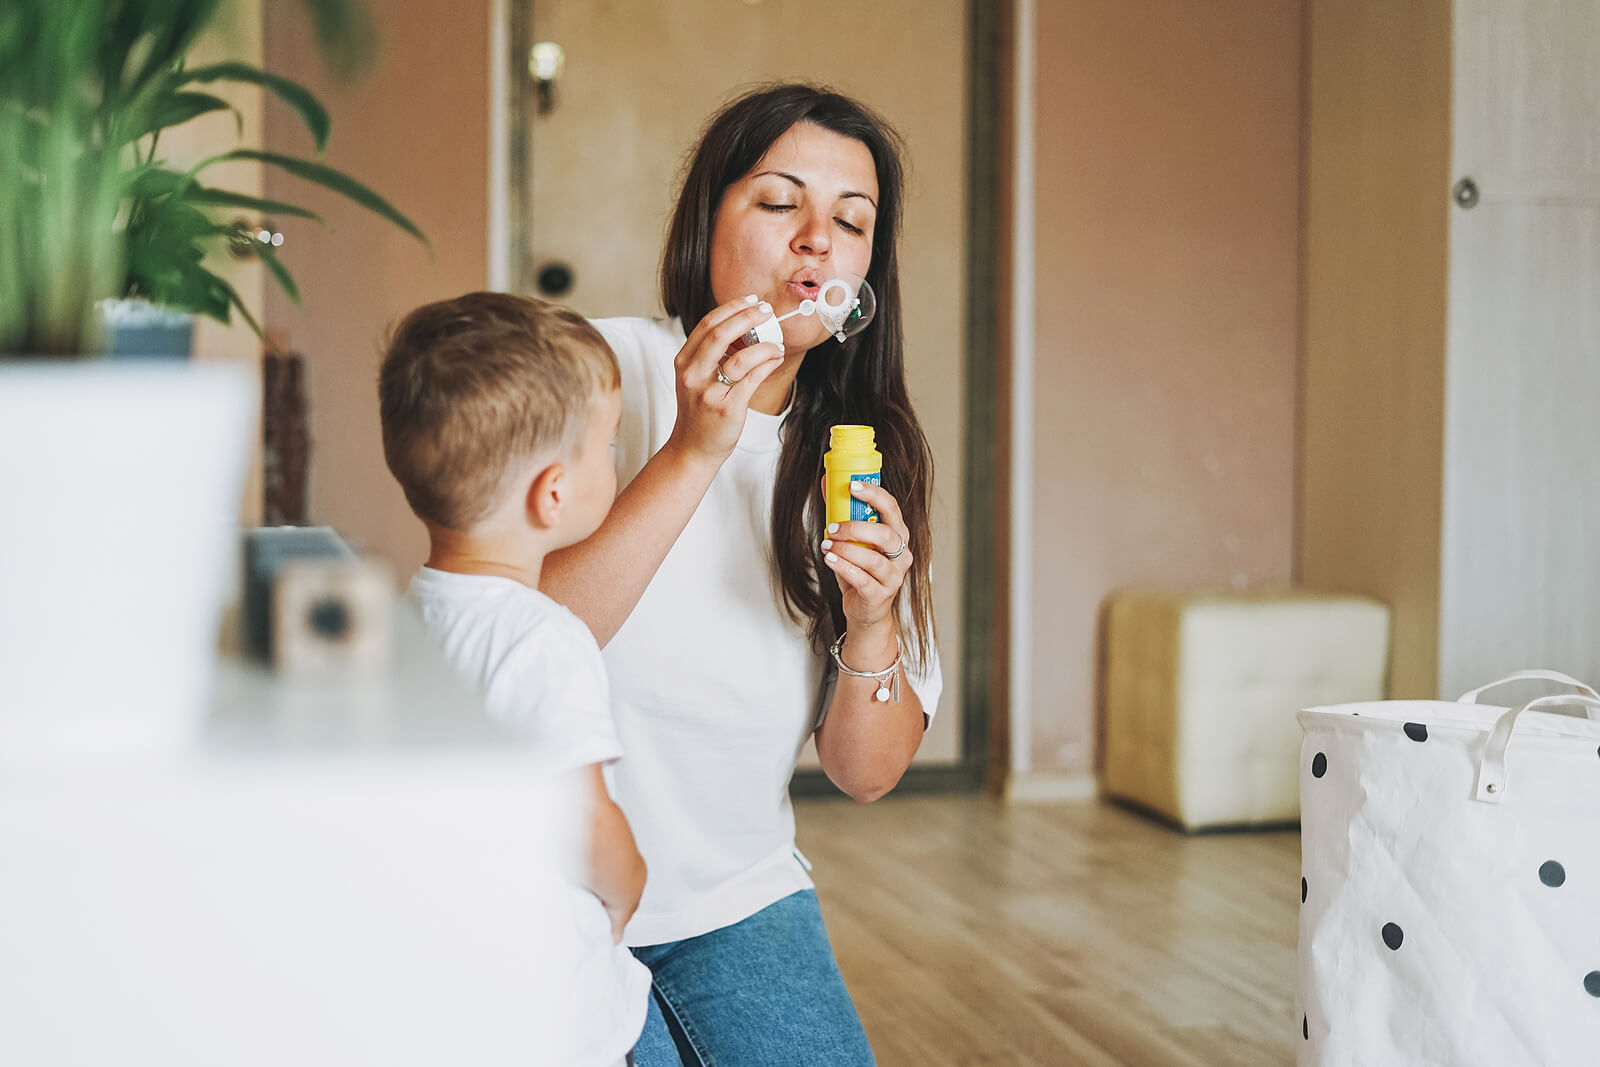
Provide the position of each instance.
(88, 208)
(120, 480)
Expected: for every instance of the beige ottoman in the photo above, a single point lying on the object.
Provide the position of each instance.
(1201, 690)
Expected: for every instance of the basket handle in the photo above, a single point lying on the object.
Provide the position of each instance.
(1530, 676)
(1492, 775)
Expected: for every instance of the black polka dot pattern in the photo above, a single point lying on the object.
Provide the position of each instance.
(1552, 874)
(1303, 888)
(1393, 935)
(1416, 731)
(1319, 765)
(1591, 983)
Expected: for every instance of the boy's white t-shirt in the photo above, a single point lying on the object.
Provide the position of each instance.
(715, 689)
(540, 671)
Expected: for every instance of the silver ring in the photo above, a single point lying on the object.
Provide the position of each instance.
(724, 379)
(897, 553)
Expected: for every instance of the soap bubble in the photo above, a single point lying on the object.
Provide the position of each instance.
(845, 305)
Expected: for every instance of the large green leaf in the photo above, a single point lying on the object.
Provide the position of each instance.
(324, 176)
(189, 286)
(177, 108)
(206, 197)
(172, 220)
(166, 275)
(152, 179)
(233, 298)
(166, 242)
(269, 256)
(297, 96)
(201, 294)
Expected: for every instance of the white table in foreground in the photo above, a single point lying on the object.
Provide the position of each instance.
(340, 873)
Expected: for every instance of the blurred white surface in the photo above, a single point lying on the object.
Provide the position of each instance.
(120, 485)
(355, 872)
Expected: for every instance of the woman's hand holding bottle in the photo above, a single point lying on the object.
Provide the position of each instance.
(870, 559)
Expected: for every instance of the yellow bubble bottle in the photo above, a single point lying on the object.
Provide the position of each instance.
(852, 456)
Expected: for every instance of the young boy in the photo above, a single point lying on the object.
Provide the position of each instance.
(498, 414)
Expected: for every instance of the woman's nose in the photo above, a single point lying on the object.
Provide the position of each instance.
(813, 237)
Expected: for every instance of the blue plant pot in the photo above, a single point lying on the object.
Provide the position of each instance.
(138, 330)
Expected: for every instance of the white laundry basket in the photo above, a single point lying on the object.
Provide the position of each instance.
(1451, 882)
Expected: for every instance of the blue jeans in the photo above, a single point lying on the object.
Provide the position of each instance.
(764, 992)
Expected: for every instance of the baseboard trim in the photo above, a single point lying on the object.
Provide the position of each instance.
(1048, 788)
(963, 777)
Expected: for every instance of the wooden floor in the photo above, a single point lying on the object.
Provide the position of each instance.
(972, 933)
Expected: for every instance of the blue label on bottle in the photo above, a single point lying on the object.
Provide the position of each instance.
(860, 510)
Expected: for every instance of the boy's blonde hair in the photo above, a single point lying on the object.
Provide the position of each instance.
(472, 385)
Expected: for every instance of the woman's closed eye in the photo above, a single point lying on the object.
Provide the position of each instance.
(844, 224)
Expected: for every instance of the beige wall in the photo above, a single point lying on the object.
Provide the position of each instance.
(416, 130)
(1166, 208)
(1376, 258)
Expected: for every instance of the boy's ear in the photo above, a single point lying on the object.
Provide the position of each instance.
(546, 494)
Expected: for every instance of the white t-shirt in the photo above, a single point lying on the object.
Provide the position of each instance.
(714, 688)
(540, 671)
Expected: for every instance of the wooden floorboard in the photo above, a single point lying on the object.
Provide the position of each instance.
(973, 934)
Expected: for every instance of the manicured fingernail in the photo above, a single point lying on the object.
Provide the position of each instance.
(781, 349)
(833, 527)
(855, 487)
(764, 306)
(752, 299)
(831, 558)
(827, 545)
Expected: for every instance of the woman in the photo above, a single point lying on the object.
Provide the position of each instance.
(718, 594)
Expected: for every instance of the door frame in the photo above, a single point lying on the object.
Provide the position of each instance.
(985, 570)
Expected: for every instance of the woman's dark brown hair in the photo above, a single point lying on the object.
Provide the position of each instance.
(861, 380)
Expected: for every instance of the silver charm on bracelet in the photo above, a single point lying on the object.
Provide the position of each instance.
(888, 679)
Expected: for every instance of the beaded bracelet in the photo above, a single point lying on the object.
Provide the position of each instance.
(888, 679)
